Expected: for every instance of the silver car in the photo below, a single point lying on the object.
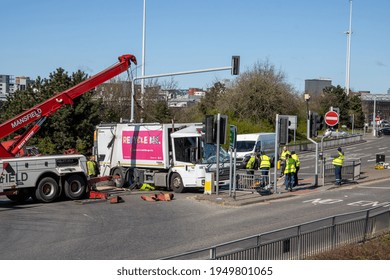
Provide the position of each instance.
(338, 133)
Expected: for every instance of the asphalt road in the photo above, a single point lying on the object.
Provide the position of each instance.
(136, 229)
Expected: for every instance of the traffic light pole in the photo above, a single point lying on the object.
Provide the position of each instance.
(276, 153)
(316, 144)
(233, 160)
(217, 155)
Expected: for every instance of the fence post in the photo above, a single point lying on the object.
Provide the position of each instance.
(333, 232)
(258, 246)
(366, 226)
(323, 170)
(299, 242)
(213, 253)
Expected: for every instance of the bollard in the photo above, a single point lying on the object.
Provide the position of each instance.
(209, 183)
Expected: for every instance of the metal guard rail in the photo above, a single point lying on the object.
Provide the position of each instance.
(300, 241)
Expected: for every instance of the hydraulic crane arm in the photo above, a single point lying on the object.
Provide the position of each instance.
(48, 107)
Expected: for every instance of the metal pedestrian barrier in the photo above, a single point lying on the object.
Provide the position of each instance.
(253, 180)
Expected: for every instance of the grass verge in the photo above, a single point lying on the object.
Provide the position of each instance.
(374, 249)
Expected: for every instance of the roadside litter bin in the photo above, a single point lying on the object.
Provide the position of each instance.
(380, 158)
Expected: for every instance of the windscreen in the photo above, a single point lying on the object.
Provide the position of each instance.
(245, 146)
(210, 152)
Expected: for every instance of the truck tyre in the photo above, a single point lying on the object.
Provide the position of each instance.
(22, 196)
(75, 187)
(177, 183)
(118, 177)
(47, 190)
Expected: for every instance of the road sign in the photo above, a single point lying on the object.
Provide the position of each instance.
(233, 137)
(331, 118)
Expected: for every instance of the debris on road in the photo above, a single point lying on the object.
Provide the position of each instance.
(158, 197)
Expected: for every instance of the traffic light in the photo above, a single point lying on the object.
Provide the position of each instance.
(222, 129)
(235, 65)
(313, 124)
(319, 123)
(316, 123)
(208, 129)
(283, 130)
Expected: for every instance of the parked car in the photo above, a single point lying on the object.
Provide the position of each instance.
(336, 133)
(384, 131)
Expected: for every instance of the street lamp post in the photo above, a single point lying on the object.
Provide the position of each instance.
(143, 60)
(374, 118)
(348, 62)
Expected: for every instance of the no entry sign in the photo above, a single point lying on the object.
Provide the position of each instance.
(331, 118)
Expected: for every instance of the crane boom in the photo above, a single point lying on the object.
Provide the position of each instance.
(51, 105)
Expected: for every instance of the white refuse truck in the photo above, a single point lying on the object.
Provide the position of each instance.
(247, 144)
(174, 156)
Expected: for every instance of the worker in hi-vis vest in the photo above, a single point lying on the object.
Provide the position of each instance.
(338, 165)
(297, 166)
(265, 165)
(289, 172)
(253, 163)
(282, 158)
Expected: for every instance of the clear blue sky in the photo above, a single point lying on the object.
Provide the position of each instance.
(304, 39)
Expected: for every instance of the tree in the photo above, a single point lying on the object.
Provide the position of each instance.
(335, 96)
(257, 96)
(356, 111)
(68, 127)
(207, 105)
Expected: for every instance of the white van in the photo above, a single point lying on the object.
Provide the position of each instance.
(247, 144)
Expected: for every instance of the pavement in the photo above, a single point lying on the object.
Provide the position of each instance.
(305, 186)
(242, 198)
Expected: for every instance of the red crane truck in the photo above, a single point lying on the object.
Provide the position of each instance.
(45, 178)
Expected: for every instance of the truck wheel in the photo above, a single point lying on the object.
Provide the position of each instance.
(75, 187)
(47, 190)
(177, 183)
(22, 196)
(118, 177)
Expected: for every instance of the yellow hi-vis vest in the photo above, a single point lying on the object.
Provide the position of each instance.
(338, 160)
(290, 166)
(296, 158)
(251, 162)
(265, 162)
(91, 166)
(283, 154)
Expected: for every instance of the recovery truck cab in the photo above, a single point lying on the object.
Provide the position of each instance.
(173, 156)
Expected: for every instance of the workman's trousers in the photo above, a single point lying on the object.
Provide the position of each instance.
(337, 173)
(264, 176)
(282, 167)
(296, 176)
(289, 180)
